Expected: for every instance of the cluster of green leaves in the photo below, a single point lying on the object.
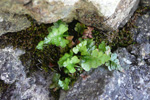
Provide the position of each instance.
(56, 36)
(83, 56)
(86, 55)
(57, 82)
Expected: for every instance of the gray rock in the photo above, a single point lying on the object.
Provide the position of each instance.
(142, 32)
(11, 68)
(12, 23)
(142, 52)
(101, 84)
(126, 59)
(106, 14)
(35, 87)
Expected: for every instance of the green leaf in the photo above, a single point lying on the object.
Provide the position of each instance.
(102, 46)
(81, 47)
(105, 58)
(113, 56)
(55, 80)
(79, 27)
(94, 60)
(64, 84)
(90, 45)
(86, 63)
(64, 58)
(114, 63)
(56, 77)
(56, 35)
(40, 45)
(70, 64)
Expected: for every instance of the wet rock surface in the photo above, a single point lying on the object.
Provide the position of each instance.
(12, 23)
(104, 14)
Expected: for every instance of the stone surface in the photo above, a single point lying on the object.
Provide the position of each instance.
(11, 68)
(142, 32)
(12, 23)
(101, 84)
(34, 87)
(123, 13)
(106, 14)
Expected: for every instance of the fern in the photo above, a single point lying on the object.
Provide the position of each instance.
(55, 36)
(83, 56)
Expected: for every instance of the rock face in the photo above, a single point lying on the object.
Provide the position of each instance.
(35, 87)
(106, 14)
(142, 32)
(11, 68)
(12, 23)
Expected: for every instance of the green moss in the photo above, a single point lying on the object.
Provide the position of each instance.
(120, 38)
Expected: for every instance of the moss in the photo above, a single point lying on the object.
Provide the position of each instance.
(28, 40)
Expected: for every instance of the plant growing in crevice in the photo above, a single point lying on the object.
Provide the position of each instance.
(82, 55)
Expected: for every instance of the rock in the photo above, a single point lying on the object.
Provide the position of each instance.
(142, 52)
(126, 59)
(115, 13)
(35, 87)
(142, 32)
(106, 14)
(12, 23)
(145, 3)
(89, 88)
(102, 84)
(11, 68)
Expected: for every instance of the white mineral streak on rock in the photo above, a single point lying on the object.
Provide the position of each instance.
(1, 19)
(106, 7)
(127, 61)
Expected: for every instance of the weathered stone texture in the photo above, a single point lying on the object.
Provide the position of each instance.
(104, 14)
(35, 87)
(21, 87)
(142, 30)
(11, 68)
(12, 23)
